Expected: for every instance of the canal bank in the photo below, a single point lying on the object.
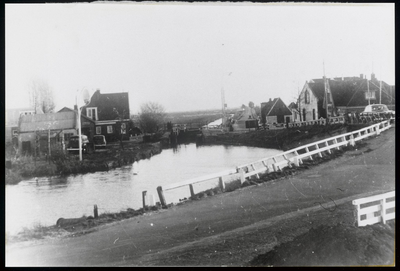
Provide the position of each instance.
(114, 156)
(234, 228)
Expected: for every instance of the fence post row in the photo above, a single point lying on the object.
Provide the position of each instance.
(276, 166)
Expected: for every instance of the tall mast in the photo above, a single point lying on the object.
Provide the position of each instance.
(380, 92)
(325, 92)
(369, 97)
(223, 106)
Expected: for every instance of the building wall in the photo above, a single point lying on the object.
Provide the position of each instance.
(308, 107)
(115, 135)
(271, 119)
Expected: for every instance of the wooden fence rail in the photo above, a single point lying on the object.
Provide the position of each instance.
(375, 209)
(278, 162)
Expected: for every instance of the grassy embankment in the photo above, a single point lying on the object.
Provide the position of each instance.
(65, 164)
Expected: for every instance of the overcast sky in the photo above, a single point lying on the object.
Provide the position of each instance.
(182, 55)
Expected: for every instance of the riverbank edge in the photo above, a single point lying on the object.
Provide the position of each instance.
(302, 136)
(63, 165)
(75, 227)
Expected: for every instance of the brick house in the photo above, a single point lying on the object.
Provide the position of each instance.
(110, 112)
(275, 111)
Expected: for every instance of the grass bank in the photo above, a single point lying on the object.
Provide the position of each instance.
(283, 139)
(66, 164)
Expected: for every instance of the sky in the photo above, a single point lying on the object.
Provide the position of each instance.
(182, 55)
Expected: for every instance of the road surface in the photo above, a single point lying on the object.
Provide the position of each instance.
(228, 228)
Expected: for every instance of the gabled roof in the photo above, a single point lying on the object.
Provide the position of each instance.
(350, 91)
(106, 103)
(67, 109)
(275, 107)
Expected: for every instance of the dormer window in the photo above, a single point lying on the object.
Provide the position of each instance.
(91, 112)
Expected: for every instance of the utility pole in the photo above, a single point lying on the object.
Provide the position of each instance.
(369, 97)
(325, 93)
(79, 129)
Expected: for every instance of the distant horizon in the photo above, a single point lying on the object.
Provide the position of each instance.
(181, 55)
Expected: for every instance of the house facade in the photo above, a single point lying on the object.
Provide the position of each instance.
(38, 132)
(342, 95)
(295, 112)
(110, 112)
(316, 101)
(275, 111)
(245, 119)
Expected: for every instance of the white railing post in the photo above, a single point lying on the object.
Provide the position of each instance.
(378, 132)
(242, 178)
(383, 210)
(319, 153)
(307, 150)
(327, 145)
(254, 168)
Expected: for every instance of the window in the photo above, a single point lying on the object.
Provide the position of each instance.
(98, 130)
(123, 128)
(313, 114)
(15, 132)
(307, 97)
(109, 129)
(91, 112)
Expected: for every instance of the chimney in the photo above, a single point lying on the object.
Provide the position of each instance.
(361, 76)
(270, 99)
(373, 77)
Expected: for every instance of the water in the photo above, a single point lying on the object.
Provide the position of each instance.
(33, 203)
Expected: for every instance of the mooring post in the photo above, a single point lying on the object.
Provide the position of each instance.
(221, 184)
(144, 199)
(95, 212)
(191, 190)
(161, 196)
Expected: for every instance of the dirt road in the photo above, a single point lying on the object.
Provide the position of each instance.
(230, 228)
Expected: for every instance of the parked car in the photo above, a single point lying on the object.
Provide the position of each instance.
(99, 142)
(73, 145)
(377, 112)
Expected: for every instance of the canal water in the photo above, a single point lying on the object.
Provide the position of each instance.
(32, 203)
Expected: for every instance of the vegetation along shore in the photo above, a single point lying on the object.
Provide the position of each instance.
(115, 157)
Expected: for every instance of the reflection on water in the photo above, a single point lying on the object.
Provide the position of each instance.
(48, 199)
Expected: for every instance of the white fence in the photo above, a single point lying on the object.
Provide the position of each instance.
(375, 209)
(331, 120)
(282, 160)
(306, 123)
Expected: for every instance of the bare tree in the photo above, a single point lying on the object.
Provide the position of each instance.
(151, 117)
(41, 96)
